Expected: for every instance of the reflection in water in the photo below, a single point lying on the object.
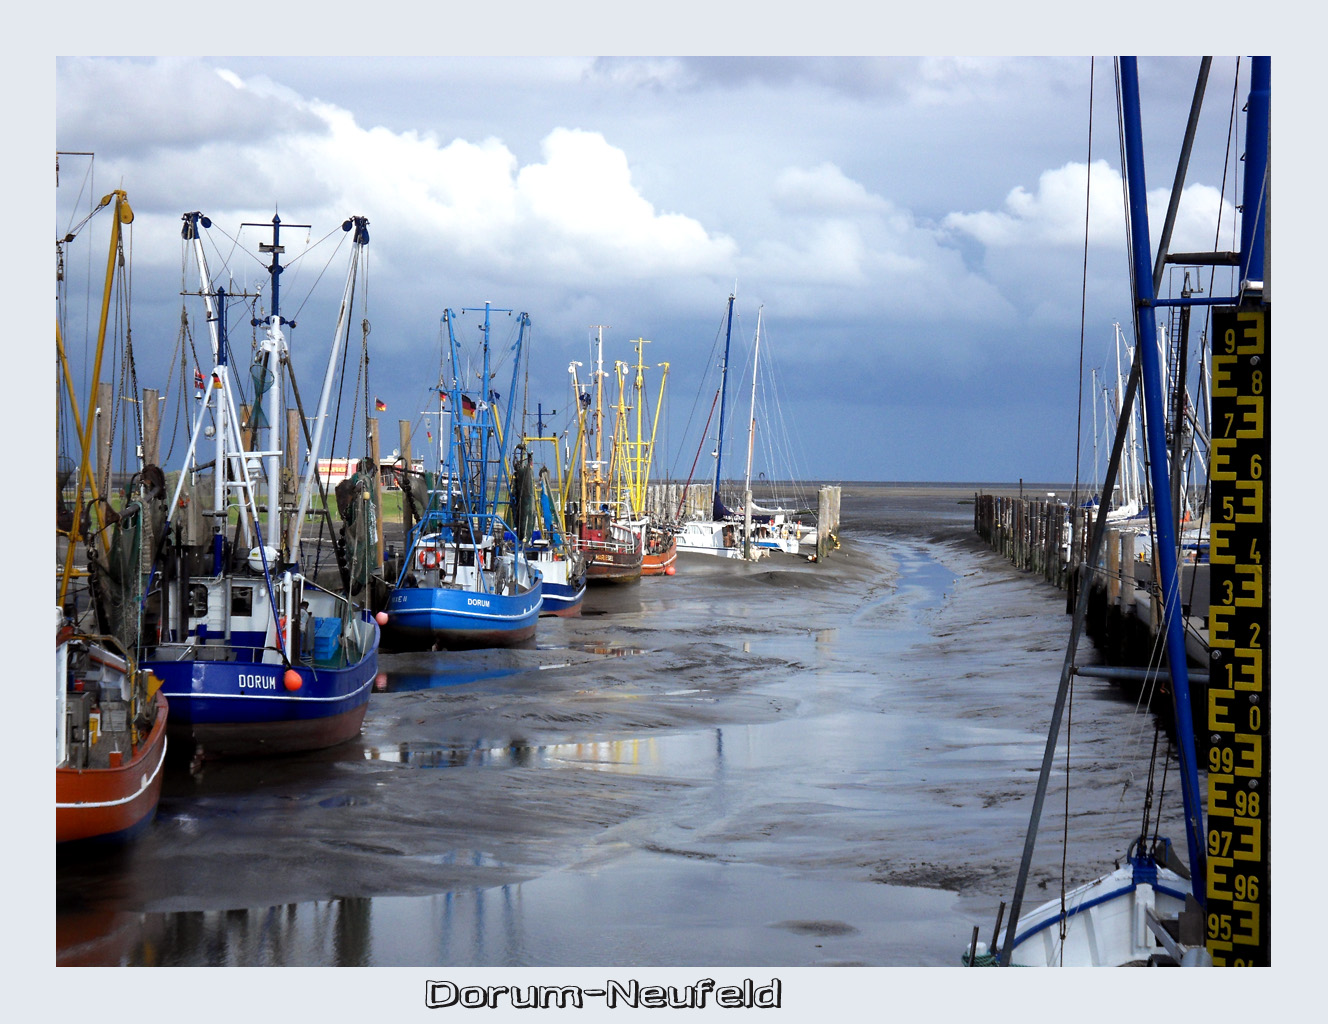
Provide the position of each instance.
(466, 926)
(336, 932)
(608, 755)
(608, 650)
(396, 682)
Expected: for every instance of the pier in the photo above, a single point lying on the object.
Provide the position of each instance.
(1052, 538)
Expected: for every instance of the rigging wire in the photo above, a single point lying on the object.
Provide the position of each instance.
(1083, 287)
(1083, 305)
(696, 400)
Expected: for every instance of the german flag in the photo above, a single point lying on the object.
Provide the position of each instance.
(467, 406)
(380, 405)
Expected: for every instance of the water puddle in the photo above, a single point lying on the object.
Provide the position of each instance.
(700, 913)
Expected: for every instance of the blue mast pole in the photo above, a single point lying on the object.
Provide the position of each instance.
(455, 416)
(1256, 166)
(718, 510)
(503, 488)
(1168, 570)
(486, 419)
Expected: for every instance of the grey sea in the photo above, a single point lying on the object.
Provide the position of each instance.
(773, 765)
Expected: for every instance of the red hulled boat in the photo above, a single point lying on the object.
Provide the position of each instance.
(110, 742)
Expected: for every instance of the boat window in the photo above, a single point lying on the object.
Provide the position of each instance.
(242, 601)
(198, 601)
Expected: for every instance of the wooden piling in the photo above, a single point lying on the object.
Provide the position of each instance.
(151, 428)
(290, 466)
(372, 438)
(408, 461)
(105, 438)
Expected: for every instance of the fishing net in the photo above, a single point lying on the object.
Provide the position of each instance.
(359, 517)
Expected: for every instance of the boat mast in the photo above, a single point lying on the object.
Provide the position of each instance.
(360, 240)
(598, 479)
(644, 481)
(193, 221)
(122, 214)
(1094, 557)
(1092, 401)
(1165, 548)
(267, 406)
(751, 426)
(718, 510)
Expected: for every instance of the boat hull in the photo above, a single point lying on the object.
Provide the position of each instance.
(246, 709)
(606, 565)
(710, 537)
(563, 599)
(113, 805)
(661, 556)
(1106, 923)
(564, 582)
(459, 619)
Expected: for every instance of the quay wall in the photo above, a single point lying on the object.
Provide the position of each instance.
(1052, 539)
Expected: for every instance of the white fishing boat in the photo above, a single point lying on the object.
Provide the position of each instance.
(254, 655)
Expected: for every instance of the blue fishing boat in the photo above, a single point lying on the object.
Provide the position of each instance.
(465, 580)
(1207, 907)
(255, 655)
(562, 567)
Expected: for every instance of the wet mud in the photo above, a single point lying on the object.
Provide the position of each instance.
(778, 764)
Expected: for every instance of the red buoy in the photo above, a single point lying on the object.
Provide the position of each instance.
(292, 680)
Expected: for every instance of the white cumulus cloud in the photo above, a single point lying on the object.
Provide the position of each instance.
(1052, 215)
(823, 190)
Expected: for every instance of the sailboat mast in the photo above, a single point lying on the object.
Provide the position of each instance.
(751, 426)
(1092, 401)
(718, 507)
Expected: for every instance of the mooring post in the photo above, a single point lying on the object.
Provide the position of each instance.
(408, 461)
(372, 438)
(105, 438)
(151, 428)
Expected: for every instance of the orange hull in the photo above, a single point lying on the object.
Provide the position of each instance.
(658, 563)
(112, 804)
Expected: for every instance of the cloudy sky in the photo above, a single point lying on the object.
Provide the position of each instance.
(913, 228)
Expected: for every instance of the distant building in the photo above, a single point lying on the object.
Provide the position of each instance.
(333, 471)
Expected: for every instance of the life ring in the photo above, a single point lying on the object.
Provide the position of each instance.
(428, 558)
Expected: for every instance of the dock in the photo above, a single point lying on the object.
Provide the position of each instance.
(1051, 538)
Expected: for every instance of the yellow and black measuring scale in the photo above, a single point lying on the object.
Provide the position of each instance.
(1237, 734)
